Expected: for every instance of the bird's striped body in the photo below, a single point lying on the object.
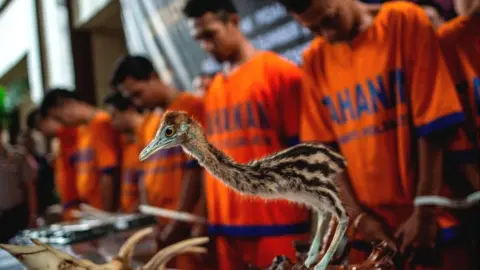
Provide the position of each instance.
(297, 173)
(304, 173)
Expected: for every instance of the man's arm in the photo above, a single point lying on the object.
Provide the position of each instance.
(28, 176)
(363, 222)
(107, 151)
(110, 190)
(421, 228)
(191, 189)
(434, 120)
(32, 202)
(190, 194)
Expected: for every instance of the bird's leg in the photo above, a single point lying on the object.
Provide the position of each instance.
(322, 218)
(337, 237)
(329, 224)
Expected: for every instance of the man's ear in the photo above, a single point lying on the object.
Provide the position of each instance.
(66, 103)
(154, 76)
(235, 19)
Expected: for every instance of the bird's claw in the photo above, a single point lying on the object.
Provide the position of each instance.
(312, 258)
(322, 265)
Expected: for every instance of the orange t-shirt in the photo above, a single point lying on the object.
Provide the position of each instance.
(130, 171)
(65, 178)
(250, 114)
(97, 154)
(163, 172)
(374, 97)
(460, 41)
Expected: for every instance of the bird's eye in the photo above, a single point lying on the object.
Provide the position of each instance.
(169, 131)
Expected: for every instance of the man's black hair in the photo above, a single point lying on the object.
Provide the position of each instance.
(55, 97)
(118, 101)
(32, 118)
(296, 6)
(135, 66)
(198, 8)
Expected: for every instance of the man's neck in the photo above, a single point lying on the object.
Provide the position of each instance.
(88, 114)
(171, 94)
(363, 19)
(137, 121)
(245, 52)
(130, 136)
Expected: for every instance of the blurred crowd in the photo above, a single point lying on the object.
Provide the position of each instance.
(394, 86)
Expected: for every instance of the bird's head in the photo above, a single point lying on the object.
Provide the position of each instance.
(175, 129)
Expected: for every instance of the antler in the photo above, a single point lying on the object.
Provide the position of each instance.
(167, 258)
(42, 256)
(164, 255)
(126, 250)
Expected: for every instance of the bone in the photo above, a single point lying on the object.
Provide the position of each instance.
(126, 250)
(165, 213)
(157, 260)
(167, 258)
(41, 256)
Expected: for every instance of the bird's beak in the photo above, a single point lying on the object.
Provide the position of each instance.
(152, 147)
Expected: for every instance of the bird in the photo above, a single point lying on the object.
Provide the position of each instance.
(304, 173)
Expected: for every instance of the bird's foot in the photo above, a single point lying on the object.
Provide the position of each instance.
(322, 265)
(311, 259)
(312, 253)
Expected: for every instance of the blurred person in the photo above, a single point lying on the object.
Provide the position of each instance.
(466, 7)
(172, 179)
(96, 159)
(64, 171)
(45, 183)
(434, 10)
(18, 203)
(388, 115)
(252, 110)
(127, 119)
(460, 39)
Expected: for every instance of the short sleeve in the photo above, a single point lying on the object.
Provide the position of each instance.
(285, 80)
(315, 123)
(452, 61)
(461, 150)
(106, 147)
(434, 101)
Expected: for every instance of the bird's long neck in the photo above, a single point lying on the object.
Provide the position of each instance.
(216, 162)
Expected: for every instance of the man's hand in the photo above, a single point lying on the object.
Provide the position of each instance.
(373, 230)
(173, 232)
(198, 230)
(419, 230)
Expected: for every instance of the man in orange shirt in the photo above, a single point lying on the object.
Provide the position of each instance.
(97, 154)
(172, 180)
(377, 86)
(460, 41)
(64, 170)
(252, 110)
(127, 119)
